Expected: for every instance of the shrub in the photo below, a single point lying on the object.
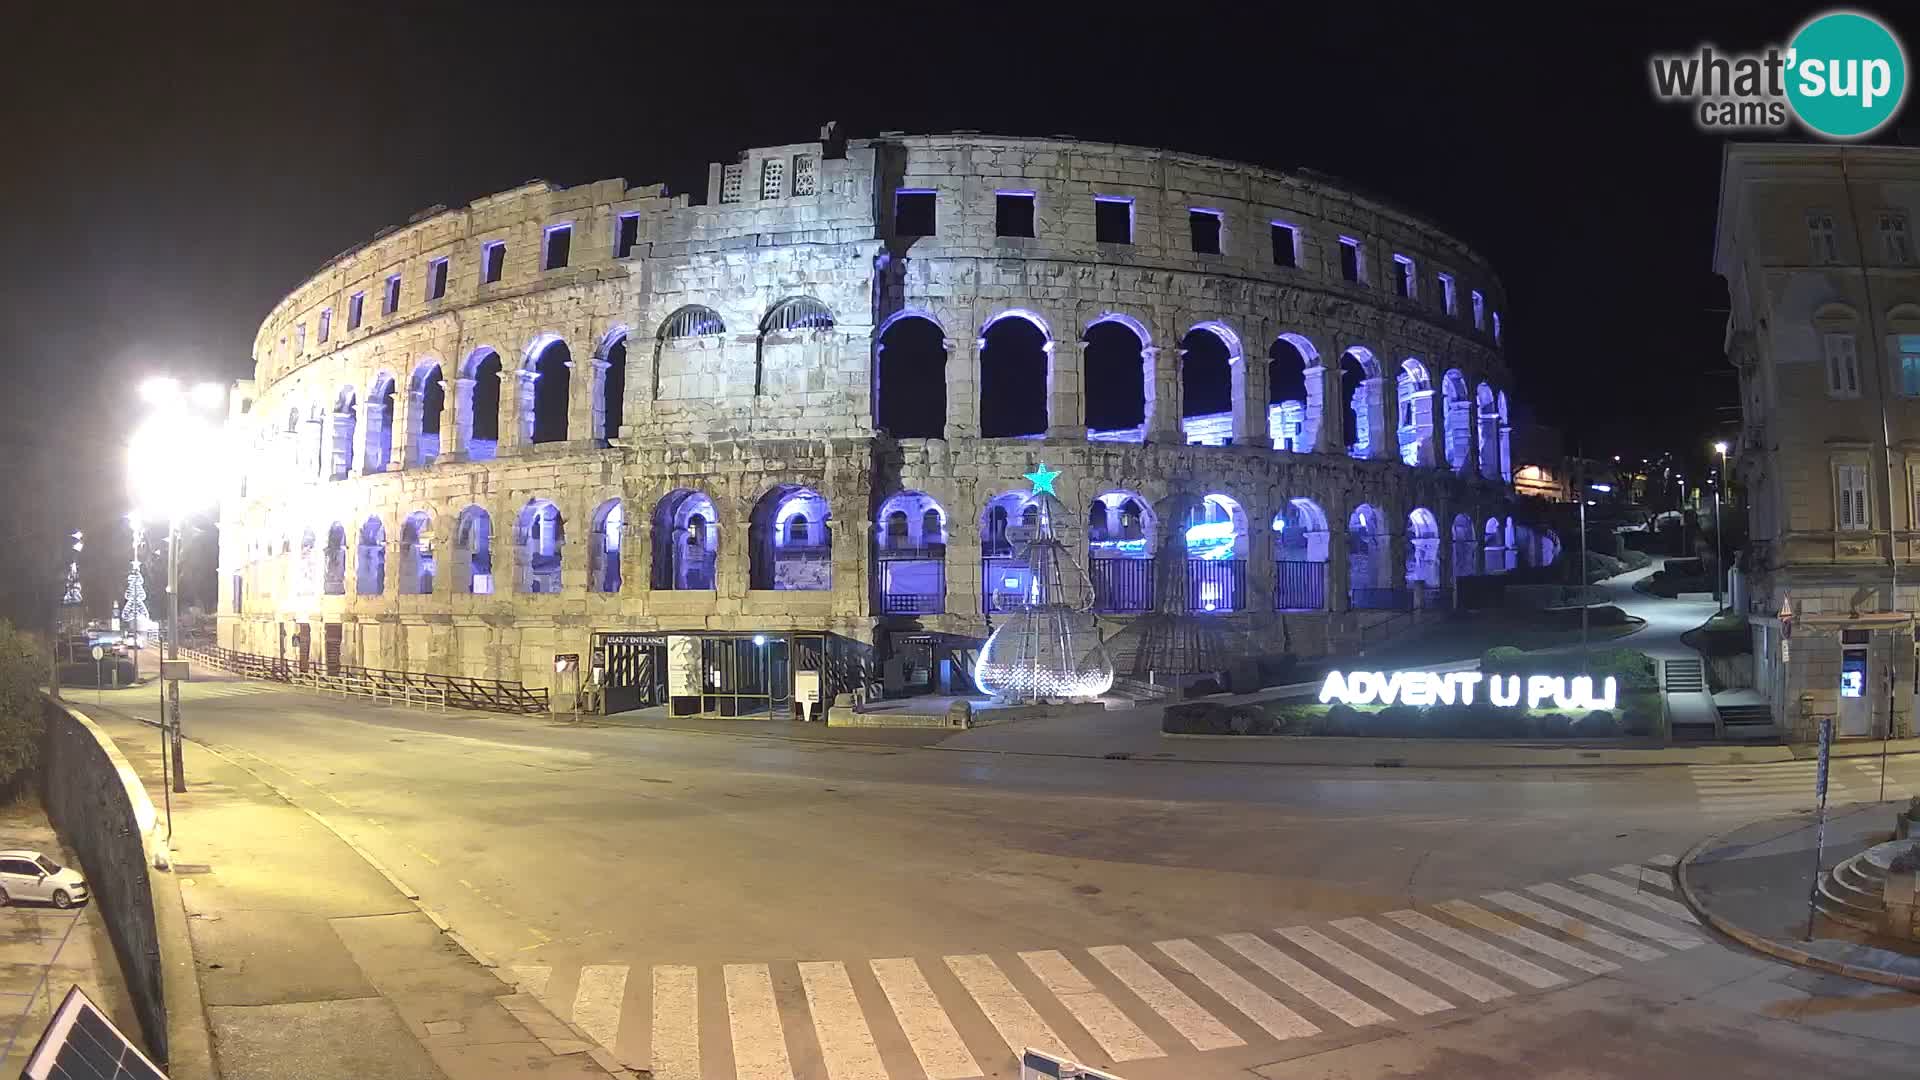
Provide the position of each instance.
(23, 667)
(1214, 718)
(1596, 725)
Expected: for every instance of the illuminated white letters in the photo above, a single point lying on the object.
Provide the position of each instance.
(1426, 688)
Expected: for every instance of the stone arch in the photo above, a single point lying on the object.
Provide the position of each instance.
(477, 404)
(1466, 550)
(609, 522)
(370, 565)
(1302, 543)
(1369, 555)
(333, 580)
(689, 329)
(1293, 395)
(378, 452)
(1016, 360)
(790, 540)
(686, 541)
(416, 554)
(540, 543)
(546, 376)
(910, 540)
(1362, 389)
(1209, 353)
(1117, 375)
(1493, 548)
(1423, 548)
(785, 329)
(427, 393)
(910, 377)
(473, 550)
(346, 416)
(1487, 417)
(610, 384)
(1505, 459)
(1458, 411)
(1415, 420)
(1215, 540)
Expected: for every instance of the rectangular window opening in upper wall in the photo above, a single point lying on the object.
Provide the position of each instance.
(1286, 244)
(1204, 227)
(493, 261)
(1013, 213)
(1352, 267)
(626, 235)
(1405, 280)
(914, 212)
(437, 279)
(559, 247)
(1113, 219)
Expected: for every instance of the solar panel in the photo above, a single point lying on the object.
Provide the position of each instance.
(80, 1043)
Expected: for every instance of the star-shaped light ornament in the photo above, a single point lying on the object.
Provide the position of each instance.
(1042, 480)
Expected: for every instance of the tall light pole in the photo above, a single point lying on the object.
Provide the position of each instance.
(173, 463)
(1719, 565)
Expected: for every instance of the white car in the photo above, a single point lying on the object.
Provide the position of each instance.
(29, 875)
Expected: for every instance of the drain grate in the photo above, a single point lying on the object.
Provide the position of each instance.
(192, 868)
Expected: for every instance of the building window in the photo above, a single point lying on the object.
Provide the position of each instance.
(1479, 310)
(1910, 365)
(1843, 366)
(391, 302)
(300, 337)
(773, 178)
(1113, 219)
(493, 261)
(1496, 327)
(356, 307)
(626, 235)
(1850, 490)
(325, 330)
(1403, 277)
(913, 212)
(730, 181)
(1351, 268)
(1821, 235)
(1013, 213)
(436, 279)
(1286, 245)
(559, 247)
(803, 180)
(1449, 300)
(1894, 242)
(1204, 225)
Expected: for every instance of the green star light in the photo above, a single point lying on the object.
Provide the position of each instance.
(1042, 479)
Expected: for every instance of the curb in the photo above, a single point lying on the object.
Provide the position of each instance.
(1773, 947)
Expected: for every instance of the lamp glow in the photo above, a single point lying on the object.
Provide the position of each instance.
(1720, 448)
(209, 395)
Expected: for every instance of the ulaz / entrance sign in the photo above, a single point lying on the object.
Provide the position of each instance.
(1424, 688)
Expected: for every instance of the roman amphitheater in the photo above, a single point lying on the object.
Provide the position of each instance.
(774, 441)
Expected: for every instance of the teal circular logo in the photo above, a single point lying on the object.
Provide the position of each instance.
(1848, 74)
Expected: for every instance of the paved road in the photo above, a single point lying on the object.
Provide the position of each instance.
(727, 904)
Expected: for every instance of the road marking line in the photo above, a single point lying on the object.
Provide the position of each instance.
(1260, 1007)
(1195, 1024)
(1620, 917)
(676, 1022)
(531, 978)
(1526, 938)
(1574, 928)
(1011, 1014)
(1652, 901)
(759, 1042)
(1120, 1037)
(846, 1044)
(1664, 861)
(1437, 968)
(1309, 983)
(1466, 944)
(596, 1004)
(1409, 996)
(943, 1054)
(1657, 878)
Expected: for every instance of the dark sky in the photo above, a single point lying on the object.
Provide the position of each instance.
(170, 171)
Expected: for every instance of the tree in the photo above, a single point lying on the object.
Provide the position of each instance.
(133, 606)
(23, 666)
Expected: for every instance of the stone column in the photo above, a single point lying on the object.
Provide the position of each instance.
(963, 387)
(373, 416)
(456, 421)
(1383, 443)
(597, 402)
(1425, 426)
(1260, 570)
(1457, 415)
(1163, 403)
(1337, 562)
(1066, 399)
(516, 408)
(1506, 453)
(1320, 432)
(408, 410)
(1250, 393)
(964, 586)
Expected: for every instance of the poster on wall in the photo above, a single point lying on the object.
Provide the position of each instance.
(683, 666)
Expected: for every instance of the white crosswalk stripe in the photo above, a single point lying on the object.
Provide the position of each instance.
(1475, 915)
(1352, 964)
(1498, 959)
(759, 1040)
(1659, 879)
(676, 1022)
(943, 1055)
(1672, 909)
(1574, 928)
(1786, 786)
(1434, 967)
(1010, 1013)
(1665, 862)
(846, 1044)
(1305, 981)
(531, 978)
(596, 1002)
(1617, 916)
(1182, 1013)
(1120, 1037)
(1256, 1004)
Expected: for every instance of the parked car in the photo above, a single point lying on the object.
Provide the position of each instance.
(29, 875)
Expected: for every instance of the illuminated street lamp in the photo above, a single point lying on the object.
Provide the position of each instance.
(173, 468)
(1719, 568)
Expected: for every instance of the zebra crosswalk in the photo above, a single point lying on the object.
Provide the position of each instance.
(1780, 787)
(968, 1015)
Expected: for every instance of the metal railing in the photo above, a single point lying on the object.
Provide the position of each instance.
(402, 687)
(1122, 586)
(1216, 585)
(916, 601)
(1299, 585)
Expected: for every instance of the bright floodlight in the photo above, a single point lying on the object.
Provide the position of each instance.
(1601, 487)
(158, 390)
(209, 395)
(173, 465)
(1720, 448)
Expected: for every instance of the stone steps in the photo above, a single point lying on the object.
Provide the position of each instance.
(1852, 893)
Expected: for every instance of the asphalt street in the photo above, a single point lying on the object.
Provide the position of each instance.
(738, 902)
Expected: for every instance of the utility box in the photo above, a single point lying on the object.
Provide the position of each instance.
(173, 670)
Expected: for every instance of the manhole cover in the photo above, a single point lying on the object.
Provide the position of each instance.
(192, 868)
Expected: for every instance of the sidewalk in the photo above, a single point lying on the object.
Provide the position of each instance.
(312, 963)
(1753, 884)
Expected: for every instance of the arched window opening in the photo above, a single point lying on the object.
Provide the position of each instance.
(1206, 388)
(1506, 449)
(346, 412)
(429, 390)
(379, 450)
(1360, 389)
(1115, 377)
(910, 572)
(678, 348)
(1423, 557)
(306, 573)
(539, 535)
(551, 374)
(1459, 419)
(1300, 547)
(473, 541)
(334, 578)
(1293, 412)
(370, 569)
(780, 358)
(791, 541)
(685, 541)
(1369, 554)
(416, 555)
(910, 379)
(1493, 549)
(1416, 413)
(1014, 359)
(1004, 577)
(1120, 552)
(1216, 552)
(1466, 553)
(483, 441)
(603, 558)
(613, 389)
(1489, 419)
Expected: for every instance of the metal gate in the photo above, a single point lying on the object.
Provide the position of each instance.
(746, 675)
(636, 666)
(336, 634)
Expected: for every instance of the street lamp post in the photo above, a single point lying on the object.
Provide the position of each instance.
(1719, 565)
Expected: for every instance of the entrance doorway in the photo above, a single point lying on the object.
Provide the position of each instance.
(636, 667)
(746, 676)
(336, 632)
(1856, 703)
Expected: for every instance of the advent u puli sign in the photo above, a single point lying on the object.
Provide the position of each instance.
(1460, 687)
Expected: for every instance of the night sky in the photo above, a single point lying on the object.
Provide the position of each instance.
(168, 177)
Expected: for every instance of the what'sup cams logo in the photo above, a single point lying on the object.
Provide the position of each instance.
(1842, 76)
